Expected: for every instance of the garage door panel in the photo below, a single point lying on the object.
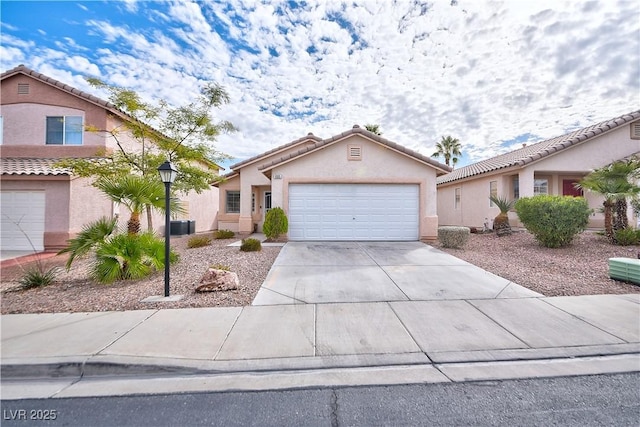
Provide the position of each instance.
(353, 212)
(22, 220)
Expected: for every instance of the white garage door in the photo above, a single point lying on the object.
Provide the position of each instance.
(353, 212)
(22, 220)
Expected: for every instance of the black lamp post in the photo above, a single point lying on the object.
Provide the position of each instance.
(168, 174)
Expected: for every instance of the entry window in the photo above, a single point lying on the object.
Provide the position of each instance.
(516, 187)
(540, 186)
(233, 202)
(64, 130)
(253, 202)
(457, 197)
(267, 201)
(493, 192)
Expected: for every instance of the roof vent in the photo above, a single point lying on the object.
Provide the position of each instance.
(635, 130)
(23, 88)
(354, 152)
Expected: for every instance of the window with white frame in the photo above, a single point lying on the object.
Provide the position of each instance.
(457, 193)
(64, 130)
(233, 202)
(540, 186)
(493, 192)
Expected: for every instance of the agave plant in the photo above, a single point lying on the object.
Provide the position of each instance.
(501, 222)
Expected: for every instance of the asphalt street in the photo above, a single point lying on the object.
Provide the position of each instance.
(567, 401)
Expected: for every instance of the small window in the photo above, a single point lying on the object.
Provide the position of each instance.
(457, 197)
(64, 130)
(233, 202)
(354, 152)
(23, 88)
(253, 202)
(493, 192)
(516, 187)
(540, 186)
(267, 201)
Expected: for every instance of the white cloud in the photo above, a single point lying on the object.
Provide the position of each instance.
(484, 72)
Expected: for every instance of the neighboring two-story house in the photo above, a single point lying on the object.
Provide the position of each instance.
(552, 166)
(41, 121)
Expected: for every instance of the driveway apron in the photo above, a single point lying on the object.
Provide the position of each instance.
(351, 272)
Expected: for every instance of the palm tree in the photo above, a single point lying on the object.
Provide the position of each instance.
(501, 222)
(449, 147)
(373, 128)
(615, 183)
(136, 193)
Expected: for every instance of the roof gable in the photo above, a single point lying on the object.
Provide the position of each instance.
(537, 151)
(309, 138)
(356, 130)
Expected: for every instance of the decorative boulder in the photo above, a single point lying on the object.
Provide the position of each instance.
(218, 280)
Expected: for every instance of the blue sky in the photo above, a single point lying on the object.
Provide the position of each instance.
(492, 74)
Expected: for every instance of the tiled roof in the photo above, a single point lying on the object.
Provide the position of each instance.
(21, 69)
(537, 151)
(309, 137)
(31, 166)
(321, 143)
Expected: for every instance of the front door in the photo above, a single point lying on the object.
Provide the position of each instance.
(267, 202)
(569, 189)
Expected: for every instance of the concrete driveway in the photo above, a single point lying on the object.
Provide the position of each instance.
(332, 272)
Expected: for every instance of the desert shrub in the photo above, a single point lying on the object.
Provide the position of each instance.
(627, 236)
(223, 234)
(453, 237)
(553, 220)
(250, 245)
(36, 277)
(220, 267)
(91, 235)
(198, 242)
(129, 257)
(275, 223)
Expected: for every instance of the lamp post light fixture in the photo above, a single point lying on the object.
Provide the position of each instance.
(168, 174)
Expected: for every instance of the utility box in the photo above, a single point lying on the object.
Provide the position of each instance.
(192, 227)
(625, 269)
(179, 228)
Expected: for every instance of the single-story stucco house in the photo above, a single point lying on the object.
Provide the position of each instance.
(352, 186)
(43, 120)
(548, 167)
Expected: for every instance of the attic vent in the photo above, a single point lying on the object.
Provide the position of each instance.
(23, 88)
(635, 130)
(354, 152)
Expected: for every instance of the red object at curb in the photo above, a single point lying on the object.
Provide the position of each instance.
(26, 259)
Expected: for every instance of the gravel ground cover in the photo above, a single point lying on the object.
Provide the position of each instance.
(74, 292)
(580, 269)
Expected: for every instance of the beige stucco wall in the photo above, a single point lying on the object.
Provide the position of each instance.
(379, 164)
(573, 163)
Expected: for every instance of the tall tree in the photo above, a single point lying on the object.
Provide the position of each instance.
(615, 182)
(449, 148)
(373, 128)
(184, 135)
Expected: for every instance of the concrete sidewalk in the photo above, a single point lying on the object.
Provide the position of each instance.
(285, 346)
(328, 314)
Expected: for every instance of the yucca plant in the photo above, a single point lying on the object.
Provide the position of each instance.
(501, 222)
(36, 277)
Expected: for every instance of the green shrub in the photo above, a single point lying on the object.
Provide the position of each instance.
(92, 235)
(453, 237)
(553, 220)
(275, 223)
(223, 234)
(129, 257)
(627, 236)
(250, 245)
(198, 242)
(36, 277)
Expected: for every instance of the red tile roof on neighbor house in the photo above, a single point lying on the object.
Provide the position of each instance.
(537, 151)
(322, 143)
(31, 166)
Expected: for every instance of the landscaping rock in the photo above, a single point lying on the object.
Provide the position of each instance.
(218, 280)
